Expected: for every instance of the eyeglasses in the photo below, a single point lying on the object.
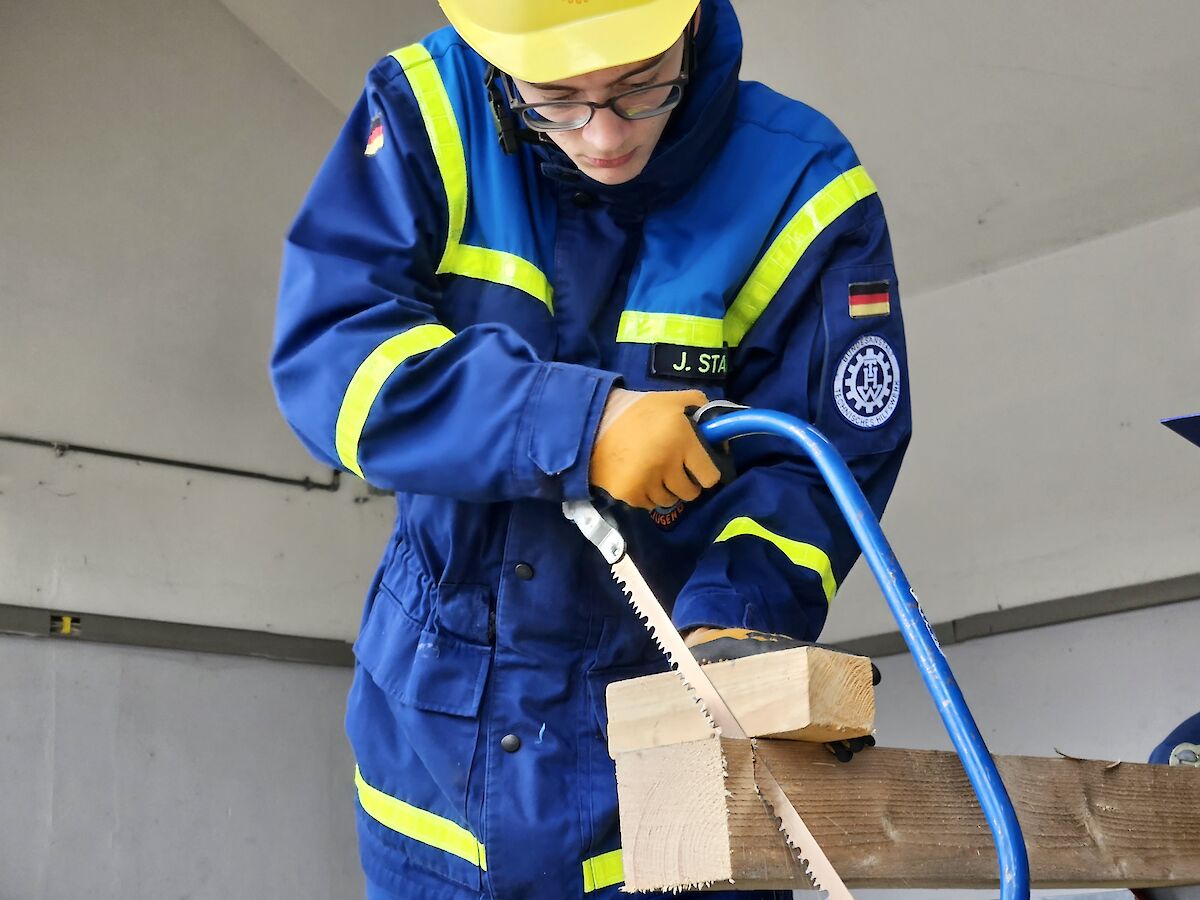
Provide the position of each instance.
(643, 102)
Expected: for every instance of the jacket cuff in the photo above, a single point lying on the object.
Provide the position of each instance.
(715, 609)
(731, 609)
(562, 418)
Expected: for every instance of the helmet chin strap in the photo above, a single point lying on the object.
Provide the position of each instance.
(509, 130)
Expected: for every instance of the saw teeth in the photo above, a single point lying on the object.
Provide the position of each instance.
(836, 890)
(799, 856)
(797, 853)
(662, 649)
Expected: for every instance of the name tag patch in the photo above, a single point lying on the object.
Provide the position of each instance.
(689, 363)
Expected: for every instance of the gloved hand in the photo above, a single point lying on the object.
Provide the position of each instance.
(647, 452)
(711, 645)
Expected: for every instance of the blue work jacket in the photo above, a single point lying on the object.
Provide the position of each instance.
(451, 320)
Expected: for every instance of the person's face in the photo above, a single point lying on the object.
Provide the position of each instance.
(609, 149)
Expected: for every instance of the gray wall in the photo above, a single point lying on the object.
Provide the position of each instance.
(152, 155)
(130, 774)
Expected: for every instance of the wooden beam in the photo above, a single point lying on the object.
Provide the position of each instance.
(806, 694)
(690, 816)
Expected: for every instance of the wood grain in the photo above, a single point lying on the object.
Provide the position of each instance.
(805, 694)
(908, 818)
(679, 828)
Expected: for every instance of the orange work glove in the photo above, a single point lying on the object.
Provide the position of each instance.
(647, 453)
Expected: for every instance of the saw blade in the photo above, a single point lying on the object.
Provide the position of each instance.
(667, 636)
(797, 835)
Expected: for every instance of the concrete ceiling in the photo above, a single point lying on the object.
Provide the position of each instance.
(997, 131)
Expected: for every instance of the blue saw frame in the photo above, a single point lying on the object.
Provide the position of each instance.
(917, 632)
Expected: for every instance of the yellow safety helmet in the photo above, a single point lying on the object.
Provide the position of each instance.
(549, 40)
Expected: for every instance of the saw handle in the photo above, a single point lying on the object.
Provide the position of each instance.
(718, 451)
(720, 426)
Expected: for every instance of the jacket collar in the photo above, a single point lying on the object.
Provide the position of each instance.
(697, 129)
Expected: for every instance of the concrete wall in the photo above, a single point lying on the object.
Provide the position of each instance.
(151, 158)
(130, 774)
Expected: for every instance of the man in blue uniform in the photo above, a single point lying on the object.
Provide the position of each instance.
(489, 327)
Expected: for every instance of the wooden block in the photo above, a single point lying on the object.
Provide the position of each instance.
(804, 694)
(691, 818)
(901, 818)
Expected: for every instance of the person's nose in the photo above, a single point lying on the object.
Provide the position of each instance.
(606, 133)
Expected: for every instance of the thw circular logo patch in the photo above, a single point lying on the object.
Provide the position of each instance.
(867, 384)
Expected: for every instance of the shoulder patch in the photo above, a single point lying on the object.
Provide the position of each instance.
(374, 137)
(867, 384)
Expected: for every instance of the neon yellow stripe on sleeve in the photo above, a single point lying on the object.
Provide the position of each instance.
(368, 381)
(805, 555)
(501, 268)
(786, 250)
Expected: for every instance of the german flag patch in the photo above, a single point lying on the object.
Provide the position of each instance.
(375, 138)
(870, 298)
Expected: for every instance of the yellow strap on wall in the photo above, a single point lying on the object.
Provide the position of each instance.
(446, 139)
(418, 824)
(785, 251)
(368, 381)
(670, 328)
(603, 871)
(801, 554)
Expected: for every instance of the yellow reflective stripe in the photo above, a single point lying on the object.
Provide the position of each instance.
(603, 871)
(785, 251)
(446, 139)
(444, 136)
(801, 554)
(499, 267)
(368, 381)
(669, 328)
(418, 824)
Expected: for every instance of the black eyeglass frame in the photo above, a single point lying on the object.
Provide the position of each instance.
(509, 115)
(676, 84)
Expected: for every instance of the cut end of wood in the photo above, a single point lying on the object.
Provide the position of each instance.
(676, 795)
(691, 819)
